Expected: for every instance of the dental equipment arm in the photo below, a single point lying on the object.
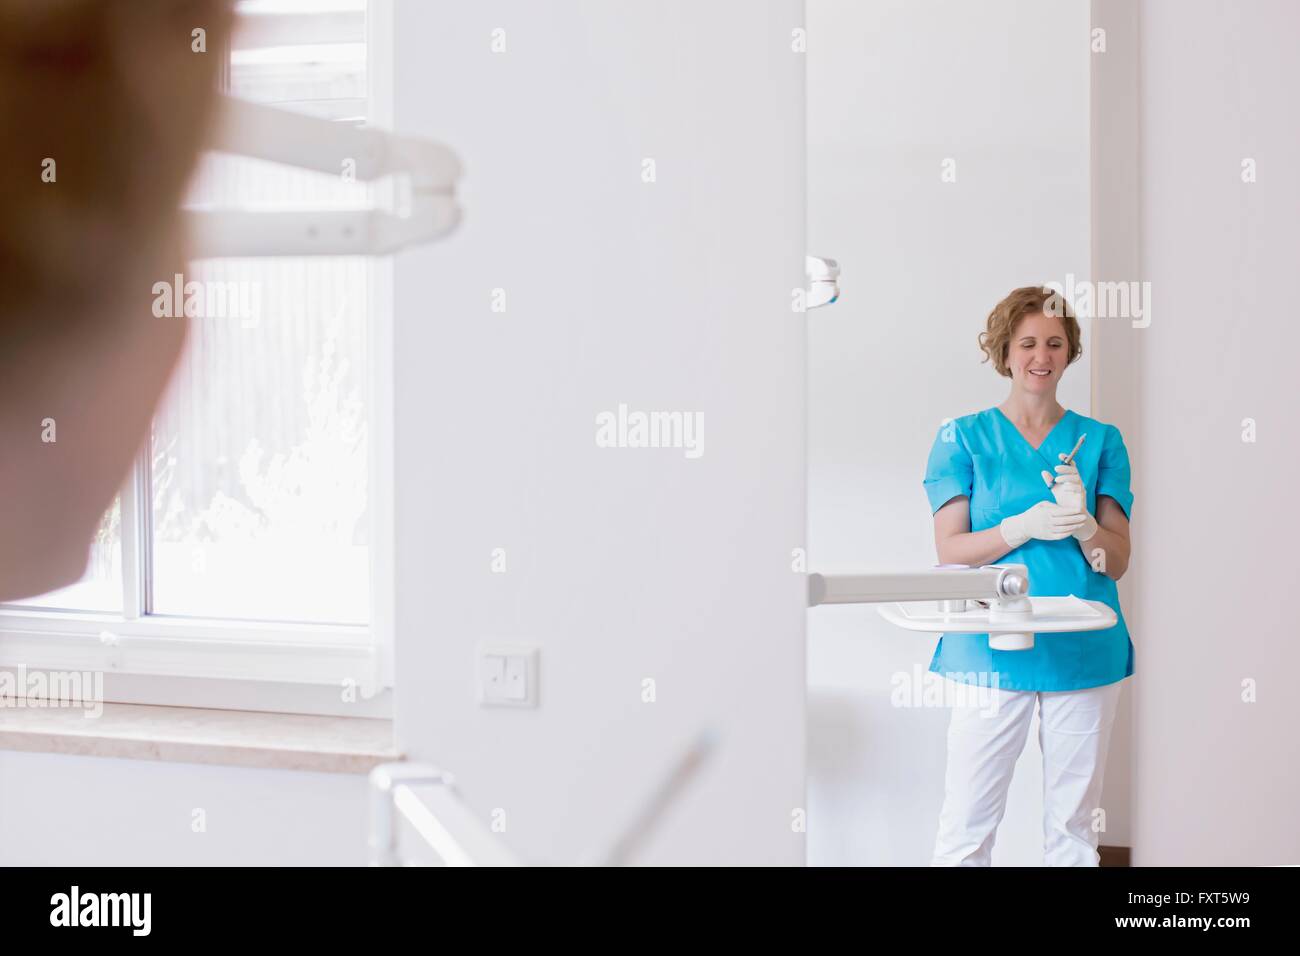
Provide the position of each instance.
(426, 799)
(1007, 615)
(823, 281)
(420, 797)
(427, 209)
(992, 582)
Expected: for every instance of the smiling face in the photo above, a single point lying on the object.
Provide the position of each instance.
(1038, 353)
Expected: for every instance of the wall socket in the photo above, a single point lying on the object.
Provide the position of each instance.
(507, 675)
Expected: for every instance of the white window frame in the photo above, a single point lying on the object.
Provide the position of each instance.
(253, 665)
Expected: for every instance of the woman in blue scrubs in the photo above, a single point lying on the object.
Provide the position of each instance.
(1000, 494)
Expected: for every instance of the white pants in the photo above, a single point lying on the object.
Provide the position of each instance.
(985, 738)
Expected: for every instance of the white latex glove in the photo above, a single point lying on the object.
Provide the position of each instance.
(1047, 521)
(1067, 488)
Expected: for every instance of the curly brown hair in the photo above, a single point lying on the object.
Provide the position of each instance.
(1006, 315)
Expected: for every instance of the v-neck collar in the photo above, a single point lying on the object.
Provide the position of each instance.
(1046, 439)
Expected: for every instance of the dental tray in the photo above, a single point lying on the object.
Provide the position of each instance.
(1050, 614)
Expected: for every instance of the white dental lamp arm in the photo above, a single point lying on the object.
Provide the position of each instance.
(990, 583)
(823, 281)
(1010, 619)
(294, 139)
(430, 172)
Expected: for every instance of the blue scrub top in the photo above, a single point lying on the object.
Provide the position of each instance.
(984, 457)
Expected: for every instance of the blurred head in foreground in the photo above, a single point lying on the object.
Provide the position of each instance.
(103, 108)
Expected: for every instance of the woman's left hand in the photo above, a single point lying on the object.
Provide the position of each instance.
(1067, 488)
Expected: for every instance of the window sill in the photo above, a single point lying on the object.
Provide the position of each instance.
(192, 735)
(337, 655)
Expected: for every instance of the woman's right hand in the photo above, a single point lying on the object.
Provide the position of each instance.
(1047, 521)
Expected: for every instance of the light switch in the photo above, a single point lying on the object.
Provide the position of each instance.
(507, 675)
(516, 674)
(494, 675)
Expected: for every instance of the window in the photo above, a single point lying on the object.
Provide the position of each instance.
(243, 542)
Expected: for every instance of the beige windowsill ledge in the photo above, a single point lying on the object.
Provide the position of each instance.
(233, 738)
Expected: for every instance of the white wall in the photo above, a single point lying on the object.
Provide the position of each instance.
(894, 88)
(58, 810)
(1217, 779)
(1113, 150)
(622, 564)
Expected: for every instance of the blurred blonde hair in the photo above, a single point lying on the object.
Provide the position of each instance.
(104, 105)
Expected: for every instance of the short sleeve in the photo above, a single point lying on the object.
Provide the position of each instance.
(1113, 474)
(948, 473)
